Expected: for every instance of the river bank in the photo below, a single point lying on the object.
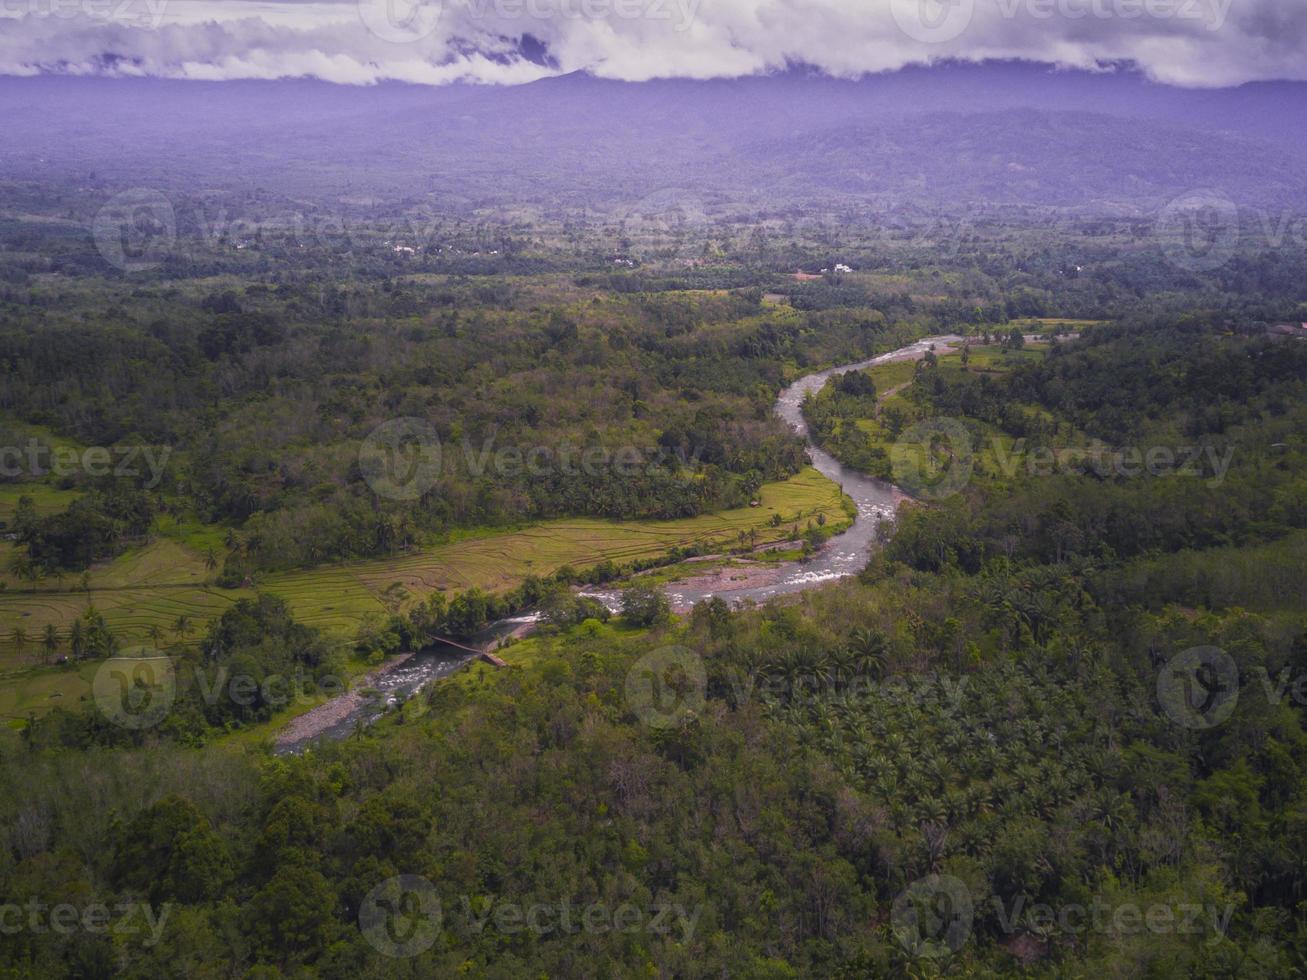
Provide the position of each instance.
(315, 721)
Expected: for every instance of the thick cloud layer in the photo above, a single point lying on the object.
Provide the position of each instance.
(1181, 42)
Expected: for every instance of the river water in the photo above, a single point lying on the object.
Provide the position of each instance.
(844, 554)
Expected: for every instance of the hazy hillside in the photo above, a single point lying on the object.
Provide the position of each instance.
(1021, 156)
(953, 135)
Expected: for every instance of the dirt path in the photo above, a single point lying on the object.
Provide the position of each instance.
(891, 392)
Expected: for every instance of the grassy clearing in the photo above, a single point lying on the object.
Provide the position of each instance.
(994, 360)
(892, 375)
(28, 692)
(1036, 324)
(194, 535)
(45, 498)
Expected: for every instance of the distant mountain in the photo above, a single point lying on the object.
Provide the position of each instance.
(953, 135)
(1063, 159)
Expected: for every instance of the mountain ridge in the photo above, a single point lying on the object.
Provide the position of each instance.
(579, 138)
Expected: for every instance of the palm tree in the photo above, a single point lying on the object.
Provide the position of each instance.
(182, 626)
(870, 645)
(76, 639)
(210, 560)
(843, 665)
(20, 639)
(50, 642)
(23, 567)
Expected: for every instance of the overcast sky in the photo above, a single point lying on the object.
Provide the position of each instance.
(1182, 42)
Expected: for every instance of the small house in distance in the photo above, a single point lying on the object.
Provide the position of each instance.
(1298, 330)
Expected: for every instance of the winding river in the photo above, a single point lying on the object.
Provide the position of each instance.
(844, 554)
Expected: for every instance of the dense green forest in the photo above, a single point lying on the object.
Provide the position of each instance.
(968, 760)
(262, 401)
